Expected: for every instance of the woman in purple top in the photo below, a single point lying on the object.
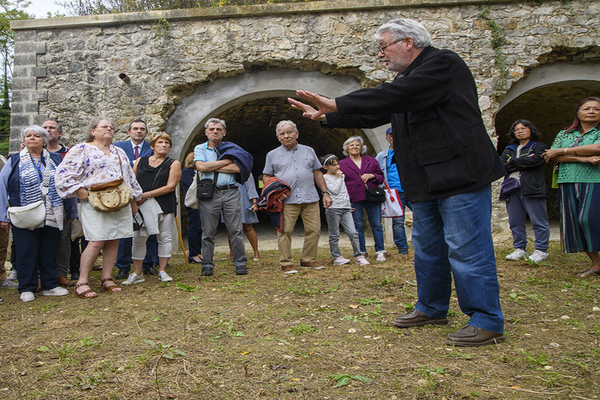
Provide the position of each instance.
(361, 172)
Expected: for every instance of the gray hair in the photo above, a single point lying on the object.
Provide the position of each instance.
(58, 124)
(38, 130)
(93, 125)
(215, 121)
(283, 123)
(363, 150)
(403, 27)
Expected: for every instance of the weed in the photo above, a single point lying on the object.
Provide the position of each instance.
(165, 351)
(365, 302)
(408, 306)
(186, 288)
(302, 328)
(88, 342)
(345, 379)
(535, 362)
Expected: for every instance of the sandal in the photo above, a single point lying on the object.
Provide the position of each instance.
(111, 288)
(84, 294)
(588, 272)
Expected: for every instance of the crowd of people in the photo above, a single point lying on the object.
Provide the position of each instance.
(440, 161)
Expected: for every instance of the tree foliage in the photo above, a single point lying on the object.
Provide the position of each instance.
(90, 7)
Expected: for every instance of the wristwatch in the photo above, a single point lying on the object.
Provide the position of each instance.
(325, 192)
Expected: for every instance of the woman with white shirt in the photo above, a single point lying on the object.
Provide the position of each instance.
(95, 162)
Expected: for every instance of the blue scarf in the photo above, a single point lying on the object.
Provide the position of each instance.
(31, 178)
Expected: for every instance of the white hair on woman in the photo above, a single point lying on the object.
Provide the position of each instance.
(363, 150)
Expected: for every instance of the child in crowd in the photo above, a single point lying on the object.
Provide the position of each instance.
(340, 212)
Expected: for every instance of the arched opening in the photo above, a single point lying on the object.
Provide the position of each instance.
(547, 97)
(252, 104)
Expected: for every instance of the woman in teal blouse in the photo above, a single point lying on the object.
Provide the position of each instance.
(577, 149)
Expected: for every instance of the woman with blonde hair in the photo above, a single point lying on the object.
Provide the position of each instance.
(93, 163)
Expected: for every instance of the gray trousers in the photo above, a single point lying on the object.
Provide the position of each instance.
(227, 201)
(336, 217)
(63, 257)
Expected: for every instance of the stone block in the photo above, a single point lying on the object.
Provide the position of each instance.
(30, 47)
(31, 108)
(40, 72)
(42, 95)
(24, 83)
(25, 59)
(21, 120)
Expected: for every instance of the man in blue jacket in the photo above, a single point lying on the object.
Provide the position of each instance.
(447, 164)
(135, 148)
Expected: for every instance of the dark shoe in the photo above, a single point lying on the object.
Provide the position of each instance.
(472, 336)
(122, 274)
(64, 282)
(403, 252)
(97, 268)
(417, 318)
(75, 277)
(169, 266)
(241, 270)
(311, 264)
(150, 270)
(207, 271)
(192, 261)
(289, 269)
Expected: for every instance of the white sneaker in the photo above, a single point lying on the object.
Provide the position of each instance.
(27, 297)
(8, 284)
(12, 275)
(361, 260)
(538, 256)
(57, 291)
(340, 261)
(133, 278)
(516, 255)
(164, 277)
(381, 255)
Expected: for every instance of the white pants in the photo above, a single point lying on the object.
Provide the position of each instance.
(165, 224)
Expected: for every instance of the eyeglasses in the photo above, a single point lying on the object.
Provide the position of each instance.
(384, 47)
(577, 141)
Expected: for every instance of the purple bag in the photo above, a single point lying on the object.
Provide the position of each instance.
(509, 185)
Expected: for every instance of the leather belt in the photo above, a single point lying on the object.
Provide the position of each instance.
(226, 187)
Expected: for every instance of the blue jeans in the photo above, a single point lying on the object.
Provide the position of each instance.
(453, 236)
(518, 208)
(194, 232)
(398, 227)
(336, 217)
(374, 216)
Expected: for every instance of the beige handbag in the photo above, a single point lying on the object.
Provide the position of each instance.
(111, 196)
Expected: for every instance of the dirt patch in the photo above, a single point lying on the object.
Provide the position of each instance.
(316, 335)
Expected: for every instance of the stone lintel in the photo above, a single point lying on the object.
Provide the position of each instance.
(240, 11)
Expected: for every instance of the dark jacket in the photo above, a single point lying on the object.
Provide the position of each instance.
(268, 200)
(241, 158)
(354, 184)
(530, 166)
(440, 143)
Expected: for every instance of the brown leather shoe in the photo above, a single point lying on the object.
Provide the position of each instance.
(311, 264)
(417, 318)
(64, 282)
(289, 269)
(472, 336)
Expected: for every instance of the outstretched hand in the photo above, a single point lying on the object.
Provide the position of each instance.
(324, 104)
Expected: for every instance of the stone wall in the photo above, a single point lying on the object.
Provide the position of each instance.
(68, 68)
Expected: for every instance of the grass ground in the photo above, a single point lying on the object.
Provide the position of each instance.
(317, 335)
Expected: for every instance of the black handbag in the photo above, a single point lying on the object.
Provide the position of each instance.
(205, 188)
(375, 195)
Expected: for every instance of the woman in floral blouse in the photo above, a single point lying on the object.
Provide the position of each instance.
(97, 162)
